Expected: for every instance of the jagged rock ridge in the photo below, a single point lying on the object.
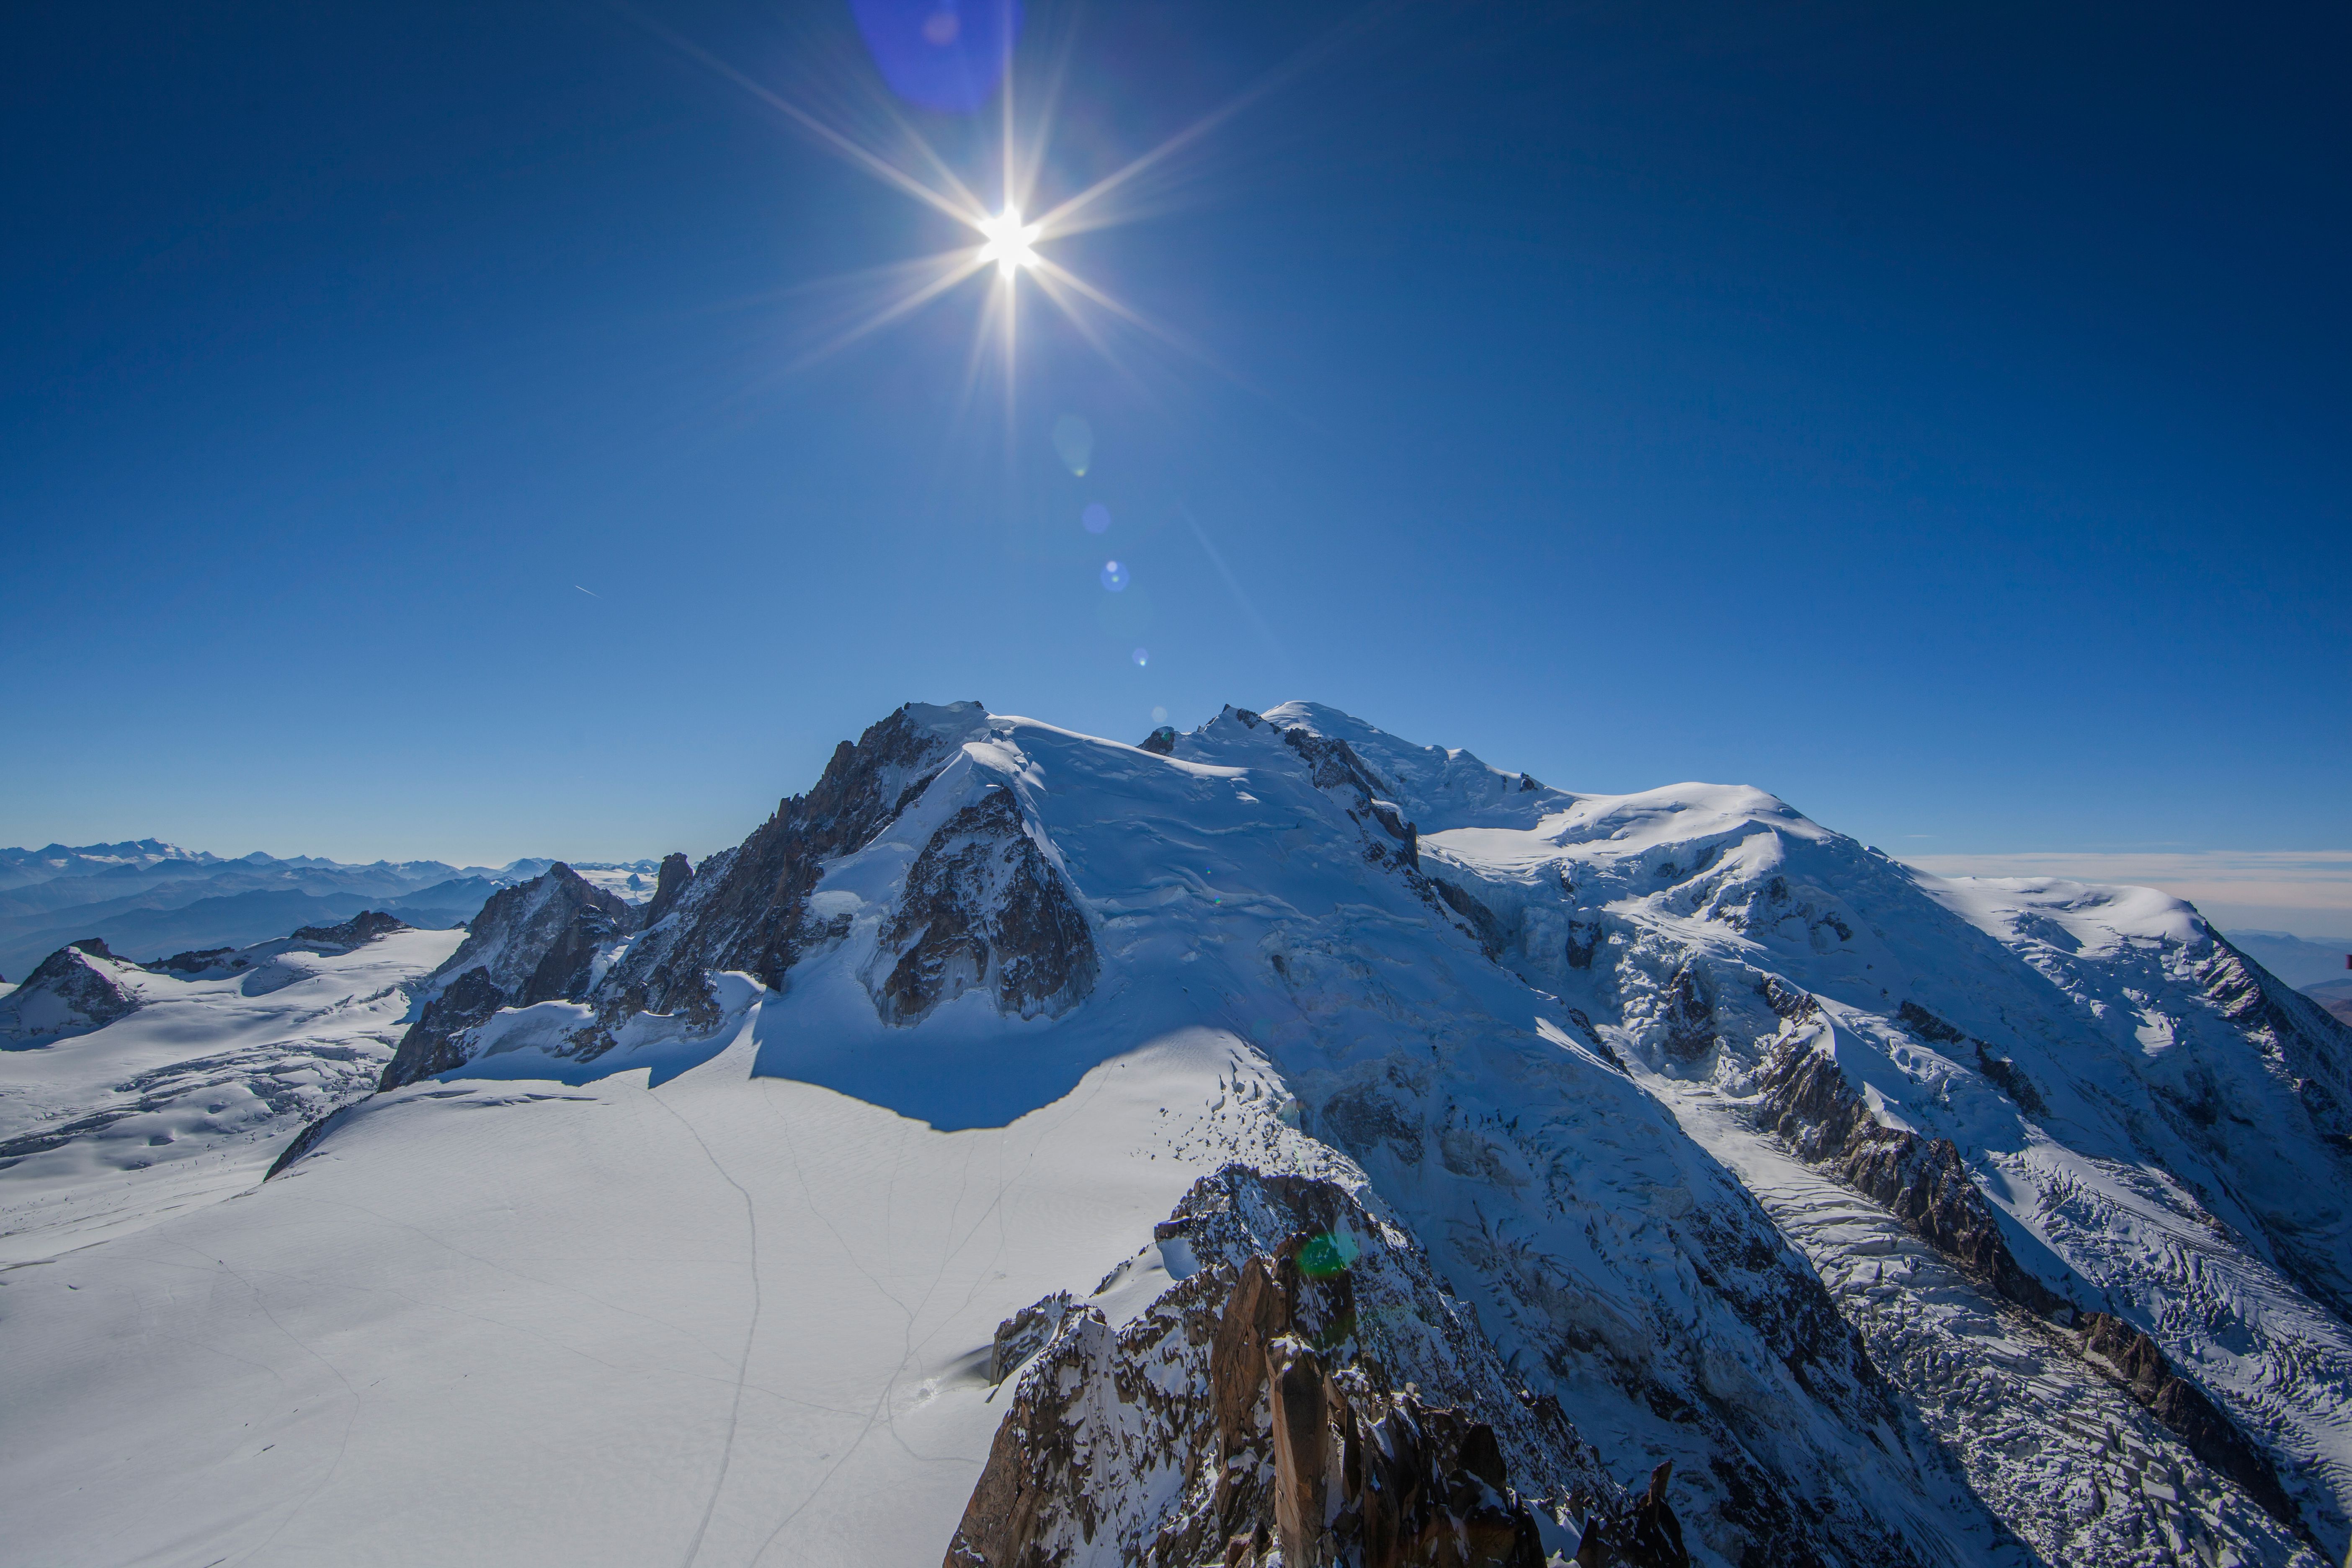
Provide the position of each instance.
(1317, 1403)
(536, 941)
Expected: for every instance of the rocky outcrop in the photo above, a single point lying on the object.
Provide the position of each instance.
(1161, 742)
(1809, 1100)
(2134, 1360)
(1024, 1333)
(76, 989)
(983, 909)
(1334, 765)
(1320, 1403)
(357, 931)
(669, 886)
(435, 1043)
(528, 937)
(536, 941)
(747, 908)
(198, 961)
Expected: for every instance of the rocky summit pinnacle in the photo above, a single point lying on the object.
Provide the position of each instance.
(1277, 1142)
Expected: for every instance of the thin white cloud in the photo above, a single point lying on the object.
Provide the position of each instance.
(2318, 880)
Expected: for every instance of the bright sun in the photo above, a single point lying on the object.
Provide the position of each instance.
(1008, 242)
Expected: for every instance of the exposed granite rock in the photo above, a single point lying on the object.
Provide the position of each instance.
(669, 886)
(983, 907)
(74, 990)
(197, 959)
(746, 908)
(1493, 938)
(435, 1044)
(2134, 1359)
(564, 970)
(520, 927)
(1809, 1100)
(1161, 742)
(536, 941)
(1026, 1333)
(1333, 764)
(1324, 1400)
(358, 930)
(309, 1138)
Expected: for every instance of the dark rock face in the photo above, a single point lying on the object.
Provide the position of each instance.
(669, 886)
(2004, 1074)
(563, 971)
(746, 908)
(1024, 1333)
(197, 961)
(1260, 1382)
(1161, 742)
(2185, 1410)
(432, 1044)
(71, 992)
(1809, 1101)
(1646, 1535)
(535, 941)
(983, 907)
(361, 929)
(1333, 764)
(309, 1138)
(520, 926)
(1484, 925)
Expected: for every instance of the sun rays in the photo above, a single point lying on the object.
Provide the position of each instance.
(1007, 245)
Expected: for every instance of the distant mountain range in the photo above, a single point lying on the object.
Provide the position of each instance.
(1276, 1143)
(2301, 962)
(148, 899)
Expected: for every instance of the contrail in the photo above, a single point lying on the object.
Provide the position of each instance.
(590, 592)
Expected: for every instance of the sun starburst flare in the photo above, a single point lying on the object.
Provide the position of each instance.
(1007, 240)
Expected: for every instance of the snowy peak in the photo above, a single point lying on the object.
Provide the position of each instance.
(77, 989)
(1437, 788)
(1873, 1219)
(541, 941)
(748, 909)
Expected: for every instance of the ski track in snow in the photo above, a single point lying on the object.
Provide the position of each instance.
(1567, 1139)
(750, 1327)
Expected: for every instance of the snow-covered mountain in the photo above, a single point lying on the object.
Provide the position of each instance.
(1276, 1143)
(149, 898)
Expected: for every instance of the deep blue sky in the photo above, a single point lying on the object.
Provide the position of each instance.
(1937, 415)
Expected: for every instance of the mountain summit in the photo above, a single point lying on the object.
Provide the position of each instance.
(1277, 1142)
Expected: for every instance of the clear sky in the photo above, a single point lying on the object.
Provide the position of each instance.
(1936, 416)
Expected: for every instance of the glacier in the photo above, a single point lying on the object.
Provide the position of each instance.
(1879, 1217)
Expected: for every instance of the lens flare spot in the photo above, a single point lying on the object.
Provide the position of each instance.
(947, 55)
(1142, 656)
(1114, 576)
(1158, 715)
(1074, 442)
(1097, 517)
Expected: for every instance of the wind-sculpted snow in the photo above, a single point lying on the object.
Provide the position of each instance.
(1906, 1221)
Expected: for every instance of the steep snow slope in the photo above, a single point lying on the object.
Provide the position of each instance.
(2158, 1124)
(1847, 1192)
